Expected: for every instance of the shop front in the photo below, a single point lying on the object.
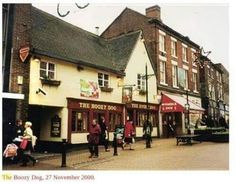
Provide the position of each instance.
(82, 112)
(137, 111)
(174, 117)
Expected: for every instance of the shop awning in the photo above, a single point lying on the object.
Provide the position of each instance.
(175, 103)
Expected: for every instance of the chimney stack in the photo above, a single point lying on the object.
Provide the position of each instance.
(97, 30)
(154, 12)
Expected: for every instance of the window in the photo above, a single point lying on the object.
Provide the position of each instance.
(220, 91)
(114, 119)
(195, 82)
(162, 43)
(174, 75)
(103, 80)
(173, 48)
(185, 79)
(141, 82)
(184, 53)
(80, 121)
(47, 70)
(162, 72)
(141, 118)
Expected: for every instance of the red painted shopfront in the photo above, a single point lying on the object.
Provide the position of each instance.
(82, 112)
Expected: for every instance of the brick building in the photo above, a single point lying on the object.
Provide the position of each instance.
(173, 56)
(215, 91)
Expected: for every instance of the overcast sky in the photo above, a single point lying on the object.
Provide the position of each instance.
(205, 24)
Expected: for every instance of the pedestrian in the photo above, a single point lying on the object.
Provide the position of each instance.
(147, 131)
(93, 139)
(170, 127)
(104, 133)
(129, 134)
(18, 132)
(30, 140)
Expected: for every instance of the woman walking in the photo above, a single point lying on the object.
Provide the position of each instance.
(129, 134)
(28, 138)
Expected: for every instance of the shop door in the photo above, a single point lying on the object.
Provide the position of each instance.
(98, 115)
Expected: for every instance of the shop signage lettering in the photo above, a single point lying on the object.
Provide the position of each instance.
(143, 106)
(169, 106)
(97, 106)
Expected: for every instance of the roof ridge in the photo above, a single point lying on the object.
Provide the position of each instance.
(124, 35)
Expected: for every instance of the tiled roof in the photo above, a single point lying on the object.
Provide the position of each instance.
(56, 38)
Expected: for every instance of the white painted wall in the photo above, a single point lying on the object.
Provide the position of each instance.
(136, 65)
(70, 77)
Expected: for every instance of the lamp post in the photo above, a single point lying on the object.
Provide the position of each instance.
(187, 108)
(148, 138)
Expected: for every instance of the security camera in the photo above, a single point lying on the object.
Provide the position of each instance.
(40, 91)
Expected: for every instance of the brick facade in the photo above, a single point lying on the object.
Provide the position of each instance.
(130, 20)
(21, 37)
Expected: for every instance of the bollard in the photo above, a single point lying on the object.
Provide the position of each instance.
(115, 145)
(63, 153)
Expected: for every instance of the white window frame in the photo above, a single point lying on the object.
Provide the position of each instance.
(173, 48)
(162, 43)
(47, 70)
(195, 82)
(185, 53)
(141, 82)
(163, 72)
(186, 79)
(175, 76)
(103, 79)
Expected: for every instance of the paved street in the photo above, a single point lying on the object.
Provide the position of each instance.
(164, 155)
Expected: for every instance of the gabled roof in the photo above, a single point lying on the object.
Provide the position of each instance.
(56, 38)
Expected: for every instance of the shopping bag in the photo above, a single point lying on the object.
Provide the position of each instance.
(23, 144)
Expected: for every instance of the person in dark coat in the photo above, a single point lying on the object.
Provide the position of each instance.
(18, 129)
(104, 133)
(93, 139)
(147, 131)
(129, 134)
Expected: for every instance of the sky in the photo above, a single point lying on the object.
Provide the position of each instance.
(205, 24)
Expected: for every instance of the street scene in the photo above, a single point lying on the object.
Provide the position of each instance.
(164, 155)
(134, 94)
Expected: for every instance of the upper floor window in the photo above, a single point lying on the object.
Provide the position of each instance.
(195, 82)
(185, 79)
(103, 80)
(184, 53)
(162, 43)
(173, 48)
(47, 70)
(175, 75)
(141, 82)
(163, 72)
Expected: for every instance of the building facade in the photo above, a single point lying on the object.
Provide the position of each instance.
(71, 76)
(172, 55)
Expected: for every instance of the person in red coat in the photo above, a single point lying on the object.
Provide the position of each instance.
(93, 139)
(129, 133)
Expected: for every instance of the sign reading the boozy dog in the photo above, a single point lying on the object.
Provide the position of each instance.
(56, 126)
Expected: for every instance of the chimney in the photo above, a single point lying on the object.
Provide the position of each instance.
(154, 12)
(97, 30)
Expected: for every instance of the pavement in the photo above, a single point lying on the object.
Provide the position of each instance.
(164, 155)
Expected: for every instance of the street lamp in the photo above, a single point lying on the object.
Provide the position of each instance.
(187, 108)
(148, 138)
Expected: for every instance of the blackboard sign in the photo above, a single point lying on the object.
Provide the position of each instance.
(56, 126)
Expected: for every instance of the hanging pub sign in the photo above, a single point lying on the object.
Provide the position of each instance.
(127, 94)
(24, 53)
(56, 126)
